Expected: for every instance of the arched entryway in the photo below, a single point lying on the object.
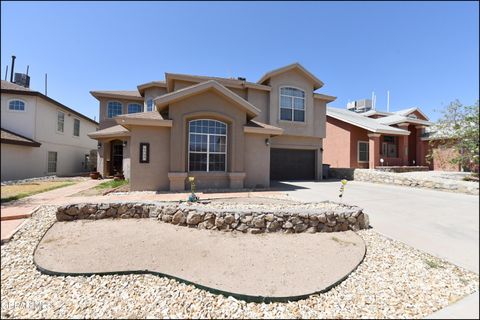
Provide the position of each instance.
(116, 157)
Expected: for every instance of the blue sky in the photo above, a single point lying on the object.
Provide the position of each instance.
(425, 53)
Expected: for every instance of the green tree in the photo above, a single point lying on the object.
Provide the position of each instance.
(458, 128)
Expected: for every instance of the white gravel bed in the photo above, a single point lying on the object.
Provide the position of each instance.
(439, 176)
(394, 281)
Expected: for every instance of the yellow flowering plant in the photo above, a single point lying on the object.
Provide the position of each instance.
(342, 188)
(193, 197)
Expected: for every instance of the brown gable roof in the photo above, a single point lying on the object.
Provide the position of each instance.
(114, 131)
(155, 115)
(8, 87)
(163, 101)
(228, 82)
(10, 137)
(120, 94)
(317, 83)
(12, 86)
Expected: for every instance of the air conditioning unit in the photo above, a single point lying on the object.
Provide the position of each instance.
(22, 80)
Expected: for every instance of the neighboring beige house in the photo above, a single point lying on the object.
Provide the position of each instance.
(227, 133)
(41, 136)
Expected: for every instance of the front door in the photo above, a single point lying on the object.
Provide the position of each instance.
(116, 164)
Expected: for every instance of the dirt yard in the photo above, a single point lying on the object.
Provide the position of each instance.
(18, 191)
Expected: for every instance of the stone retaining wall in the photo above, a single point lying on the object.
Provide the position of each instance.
(341, 173)
(391, 178)
(296, 220)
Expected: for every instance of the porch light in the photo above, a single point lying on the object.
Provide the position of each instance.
(267, 142)
(381, 161)
(99, 145)
(124, 144)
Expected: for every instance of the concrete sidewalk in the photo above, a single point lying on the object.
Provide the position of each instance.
(14, 214)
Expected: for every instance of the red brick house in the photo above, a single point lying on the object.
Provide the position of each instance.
(363, 137)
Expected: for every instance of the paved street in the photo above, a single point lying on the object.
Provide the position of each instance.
(443, 224)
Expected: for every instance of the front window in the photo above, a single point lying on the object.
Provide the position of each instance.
(114, 109)
(134, 108)
(150, 105)
(52, 162)
(207, 145)
(362, 151)
(389, 147)
(60, 121)
(16, 105)
(76, 127)
(292, 104)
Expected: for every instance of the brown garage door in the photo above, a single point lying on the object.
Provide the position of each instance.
(292, 164)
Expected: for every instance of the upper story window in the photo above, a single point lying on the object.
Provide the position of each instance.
(292, 104)
(134, 108)
(412, 116)
(76, 127)
(16, 105)
(207, 145)
(114, 109)
(150, 104)
(60, 121)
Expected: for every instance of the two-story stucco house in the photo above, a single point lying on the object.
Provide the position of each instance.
(227, 133)
(40, 136)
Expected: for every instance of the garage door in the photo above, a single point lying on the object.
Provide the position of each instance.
(292, 164)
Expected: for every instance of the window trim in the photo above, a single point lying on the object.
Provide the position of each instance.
(111, 101)
(358, 151)
(293, 105)
(56, 129)
(56, 162)
(208, 145)
(148, 152)
(134, 103)
(18, 111)
(73, 132)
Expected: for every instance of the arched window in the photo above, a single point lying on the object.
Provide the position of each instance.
(150, 104)
(207, 145)
(16, 105)
(114, 109)
(134, 108)
(292, 104)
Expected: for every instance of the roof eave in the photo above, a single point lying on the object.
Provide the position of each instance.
(163, 101)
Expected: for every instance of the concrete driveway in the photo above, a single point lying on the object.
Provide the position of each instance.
(443, 224)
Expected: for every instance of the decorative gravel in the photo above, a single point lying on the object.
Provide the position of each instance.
(394, 281)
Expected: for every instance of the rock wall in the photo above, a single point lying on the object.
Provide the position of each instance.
(391, 178)
(341, 173)
(299, 219)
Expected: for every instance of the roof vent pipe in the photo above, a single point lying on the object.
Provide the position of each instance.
(13, 67)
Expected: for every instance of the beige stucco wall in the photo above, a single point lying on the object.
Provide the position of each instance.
(257, 161)
(294, 79)
(208, 105)
(261, 100)
(19, 122)
(152, 175)
(39, 122)
(21, 162)
(106, 122)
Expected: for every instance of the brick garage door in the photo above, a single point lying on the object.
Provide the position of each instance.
(292, 164)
